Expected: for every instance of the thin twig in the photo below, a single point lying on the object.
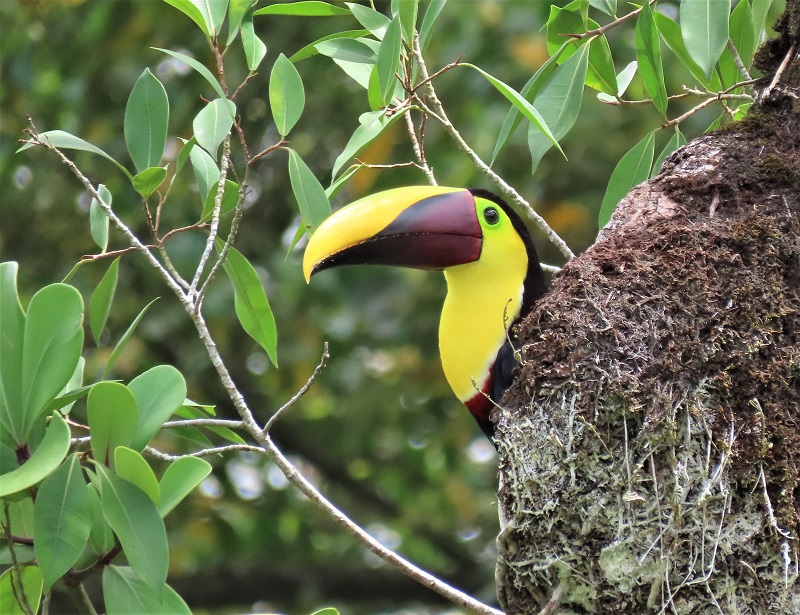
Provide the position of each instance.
(737, 59)
(322, 362)
(88, 258)
(204, 423)
(17, 588)
(603, 29)
(779, 73)
(206, 452)
(270, 149)
(507, 191)
(417, 145)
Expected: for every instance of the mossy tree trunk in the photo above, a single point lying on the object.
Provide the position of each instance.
(650, 446)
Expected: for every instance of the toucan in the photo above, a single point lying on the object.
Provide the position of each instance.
(489, 261)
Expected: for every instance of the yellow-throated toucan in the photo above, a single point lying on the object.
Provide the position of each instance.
(489, 261)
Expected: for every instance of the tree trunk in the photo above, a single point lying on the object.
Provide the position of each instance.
(650, 445)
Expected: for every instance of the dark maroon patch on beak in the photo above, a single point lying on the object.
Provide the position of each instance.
(435, 233)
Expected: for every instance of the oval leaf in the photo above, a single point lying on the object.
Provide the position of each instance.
(213, 124)
(137, 524)
(348, 50)
(704, 27)
(237, 16)
(146, 120)
(112, 413)
(311, 198)
(46, 458)
(371, 19)
(62, 520)
(133, 468)
(148, 181)
(159, 392)
(254, 47)
(631, 170)
(250, 302)
(64, 140)
(12, 333)
(100, 303)
(310, 8)
(206, 172)
(31, 579)
(230, 198)
(179, 479)
(286, 95)
(192, 12)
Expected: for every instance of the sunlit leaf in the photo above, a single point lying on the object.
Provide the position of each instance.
(347, 49)
(100, 303)
(112, 414)
(31, 579)
(250, 302)
(631, 170)
(64, 140)
(286, 95)
(206, 172)
(137, 524)
(62, 520)
(429, 22)
(132, 467)
(524, 107)
(704, 27)
(371, 19)
(196, 66)
(406, 10)
(309, 8)
(98, 220)
(159, 392)
(213, 124)
(254, 47)
(146, 120)
(671, 34)
(12, 334)
(311, 198)
(46, 458)
(180, 478)
(388, 62)
(311, 49)
(559, 102)
(192, 12)
(213, 12)
(237, 12)
(148, 181)
(648, 55)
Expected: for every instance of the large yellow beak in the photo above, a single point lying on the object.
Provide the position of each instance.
(424, 227)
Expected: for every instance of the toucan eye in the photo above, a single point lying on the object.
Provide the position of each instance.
(491, 216)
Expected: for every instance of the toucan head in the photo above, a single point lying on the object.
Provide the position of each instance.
(422, 227)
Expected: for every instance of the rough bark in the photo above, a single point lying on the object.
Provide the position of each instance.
(650, 447)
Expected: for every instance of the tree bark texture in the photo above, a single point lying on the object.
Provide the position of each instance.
(650, 445)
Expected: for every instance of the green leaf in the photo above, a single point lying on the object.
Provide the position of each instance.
(311, 49)
(559, 102)
(51, 349)
(743, 38)
(101, 537)
(179, 479)
(332, 190)
(46, 458)
(206, 172)
(146, 119)
(98, 220)
(631, 170)
(311, 198)
(363, 136)
(250, 302)
(609, 7)
(677, 140)
(230, 197)
(671, 34)
(125, 593)
(429, 22)
(12, 334)
(347, 49)
(64, 140)
(601, 74)
(254, 47)
(62, 520)
(148, 181)
(371, 19)
(213, 124)
(191, 410)
(327, 611)
(159, 392)
(213, 12)
(648, 54)
(123, 341)
(524, 107)
(112, 413)
(31, 580)
(624, 79)
(196, 66)
(286, 95)
(388, 62)
(137, 524)
(406, 10)
(310, 8)
(704, 27)
(192, 12)
(100, 303)
(237, 17)
(71, 392)
(760, 10)
(131, 466)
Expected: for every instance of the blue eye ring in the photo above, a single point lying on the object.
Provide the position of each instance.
(491, 215)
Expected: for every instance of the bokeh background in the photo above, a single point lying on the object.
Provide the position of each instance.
(379, 432)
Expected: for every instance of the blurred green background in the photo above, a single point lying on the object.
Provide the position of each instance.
(380, 431)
